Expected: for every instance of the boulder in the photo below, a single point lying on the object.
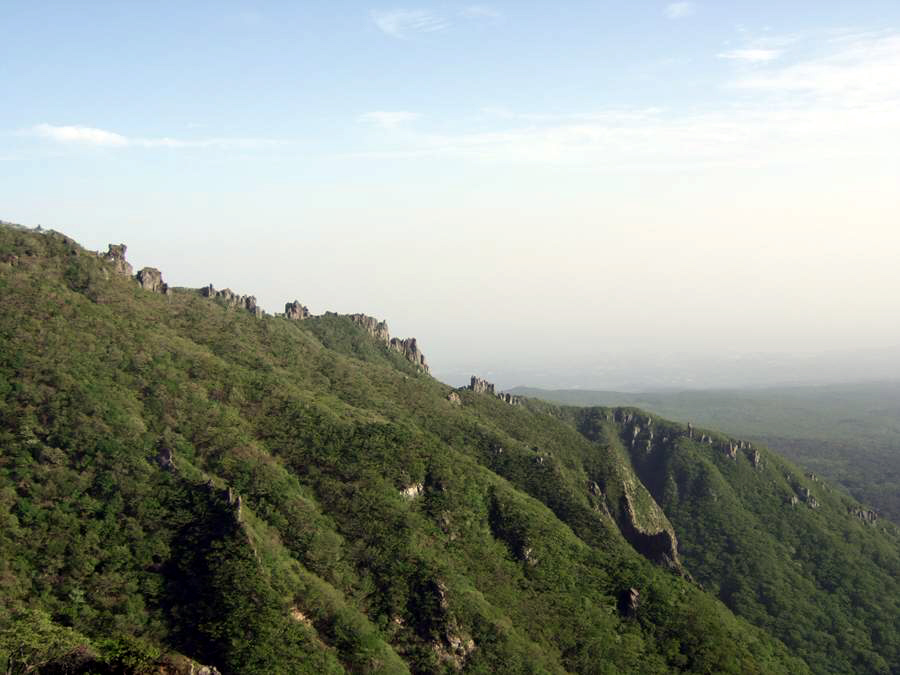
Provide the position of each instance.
(151, 280)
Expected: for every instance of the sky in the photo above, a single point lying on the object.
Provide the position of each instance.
(542, 192)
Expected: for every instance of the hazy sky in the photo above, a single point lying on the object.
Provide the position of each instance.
(517, 183)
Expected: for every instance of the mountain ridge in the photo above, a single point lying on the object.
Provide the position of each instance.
(185, 474)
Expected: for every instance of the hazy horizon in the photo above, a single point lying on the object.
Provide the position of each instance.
(677, 194)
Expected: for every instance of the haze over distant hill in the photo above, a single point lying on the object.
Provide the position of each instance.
(675, 371)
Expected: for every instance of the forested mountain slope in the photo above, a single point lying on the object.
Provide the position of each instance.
(848, 433)
(183, 477)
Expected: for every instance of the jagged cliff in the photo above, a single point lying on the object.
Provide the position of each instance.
(150, 279)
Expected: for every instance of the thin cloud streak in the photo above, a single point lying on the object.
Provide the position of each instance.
(680, 10)
(389, 119)
(865, 70)
(751, 55)
(401, 23)
(92, 136)
(852, 111)
(80, 134)
(480, 12)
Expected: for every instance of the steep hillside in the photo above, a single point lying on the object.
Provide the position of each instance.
(781, 548)
(184, 477)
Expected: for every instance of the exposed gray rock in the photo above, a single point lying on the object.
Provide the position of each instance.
(151, 280)
(867, 516)
(295, 311)
(756, 458)
(453, 397)
(412, 491)
(232, 299)
(660, 546)
(629, 601)
(410, 349)
(480, 385)
(377, 329)
(116, 256)
(808, 497)
(166, 457)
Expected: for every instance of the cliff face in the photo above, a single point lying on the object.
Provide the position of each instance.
(378, 330)
(150, 279)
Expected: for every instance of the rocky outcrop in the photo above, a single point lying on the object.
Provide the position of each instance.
(481, 386)
(151, 280)
(378, 330)
(295, 311)
(453, 397)
(660, 547)
(166, 456)
(412, 491)
(232, 299)
(755, 458)
(375, 328)
(452, 646)
(173, 664)
(116, 256)
(868, 516)
(730, 449)
(808, 497)
(410, 350)
(629, 601)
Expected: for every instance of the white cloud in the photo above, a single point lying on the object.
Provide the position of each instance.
(401, 23)
(841, 105)
(389, 119)
(480, 12)
(861, 70)
(79, 134)
(751, 55)
(82, 135)
(679, 10)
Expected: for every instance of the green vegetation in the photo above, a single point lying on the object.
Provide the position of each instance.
(328, 509)
(848, 433)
